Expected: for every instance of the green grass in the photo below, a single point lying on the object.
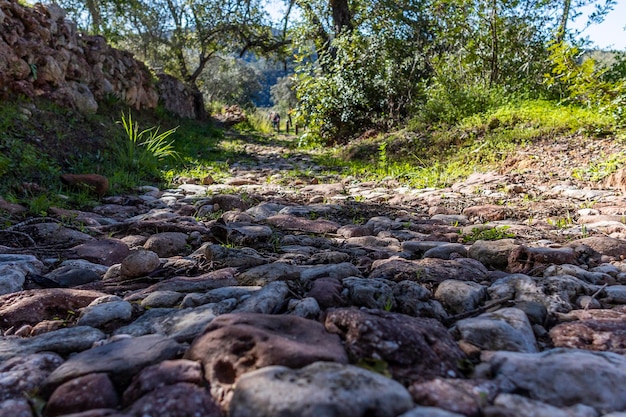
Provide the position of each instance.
(420, 155)
(437, 156)
(487, 233)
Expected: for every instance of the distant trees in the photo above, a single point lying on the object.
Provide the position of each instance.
(374, 63)
(179, 36)
(364, 64)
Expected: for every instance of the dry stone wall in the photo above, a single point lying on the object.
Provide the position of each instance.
(42, 54)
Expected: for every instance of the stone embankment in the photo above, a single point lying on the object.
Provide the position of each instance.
(273, 295)
(42, 54)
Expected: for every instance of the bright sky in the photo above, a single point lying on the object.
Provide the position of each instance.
(609, 34)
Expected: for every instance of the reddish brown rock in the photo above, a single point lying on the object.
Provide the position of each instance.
(98, 183)
(617, 180)
(33, 306)
(466, 397)
(234, 344)
(533, 261)
(25, 373)
(429, 270)
(605, 245)
(410, 348)
(487, 213)
(227, 202)
(215, 279)
(164, 373)
(11, 208)
(102, 251)
(602, 330)
(16, 407)
(88, 392)
(179, 400)
(295, 223)
(327, 293)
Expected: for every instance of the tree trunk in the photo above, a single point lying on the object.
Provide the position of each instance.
(560, 33)
(96, 18)
(342, 18)
(493, 22)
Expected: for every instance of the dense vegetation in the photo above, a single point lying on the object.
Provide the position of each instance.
(445, 85)
(363, 65)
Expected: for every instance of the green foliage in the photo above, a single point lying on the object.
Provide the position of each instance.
(366, 82)
(144, 149)
(601, 168)
(453, 93)
(487, 233)
(230, 80)
(581, 81)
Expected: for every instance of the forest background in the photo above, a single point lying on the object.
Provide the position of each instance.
(344, 67)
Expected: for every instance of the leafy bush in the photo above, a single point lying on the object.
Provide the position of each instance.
(362, 83)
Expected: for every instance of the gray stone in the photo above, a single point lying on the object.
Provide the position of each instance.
(307, 308)
(417, 248)
(165, 373)
(25, 373)
(224, 257)
(511, 405)
(505, 329)
(380, 223)
(429, 412)
(595, 379)
(67, 276)
(264, 210)
(492, 253)
(28, 264)
(161, 299)
(11, 280)
(615, 294)
(219, 294)
(460, 296)
(104, 310)
(415, 300)
(337, 271)
(181, 325)
(211, 280)
(556, 293)
(62, 341)
(139, 263)
(328, 257)
(241, 234)
(578, 272)
(167, 244)
(83, 264)
(453, 219)
(266, 301)
(370, 293)
(389, 244)
(264, 274)
(55, 233)
(121, 359)
(299, 224)
(428, 270)
(13, 271)
(447, 251)
(322, 389)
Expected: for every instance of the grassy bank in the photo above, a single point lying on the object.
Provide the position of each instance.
(40, 141)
